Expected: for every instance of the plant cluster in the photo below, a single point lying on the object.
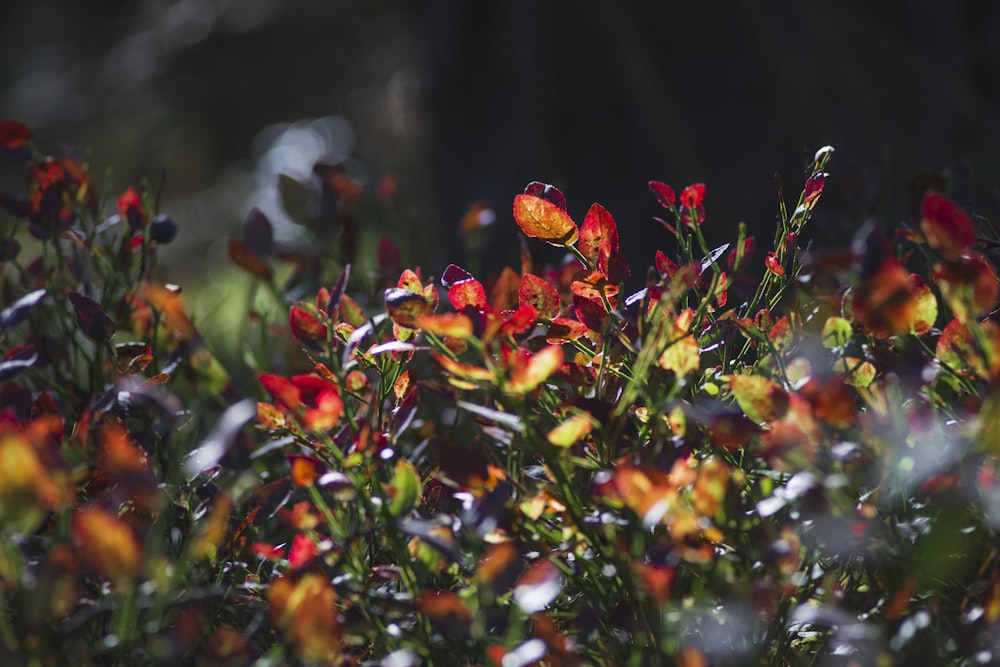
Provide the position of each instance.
(533, 469)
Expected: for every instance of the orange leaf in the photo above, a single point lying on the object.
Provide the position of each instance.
(444, 610)
(539, 367)
(304, 608)
(461, 369)
(446, 324)
(539, 218)
(107, 545)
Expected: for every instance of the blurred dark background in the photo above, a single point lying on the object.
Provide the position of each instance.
(465, 101)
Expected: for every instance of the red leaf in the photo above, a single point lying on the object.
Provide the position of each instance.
(282, 390)
(539, 293)
(520, 320)
(302, 551)
(91, 318)
(590, 312)
(693, 195)
(13, 135)
(946, 226)
(306, 328)
(564, 329)
(467, 293)
(454, 274)
(388, 256)
(664, 266)
(664, 194)
(598, 237)
(814, 187)
(338, 290)
(540, 218)
(773, 265)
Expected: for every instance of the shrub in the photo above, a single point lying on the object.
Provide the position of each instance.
(550, 471)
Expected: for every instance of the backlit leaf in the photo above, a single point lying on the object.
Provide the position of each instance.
(762, 399)
(461, 369)
(107, 545)
(446, 324)
(969, 285)
(693, 195)
(598, 237)
(542, 219)
(540, 294)
(946, 226)
(664, 194)
(306, 328)
(564, 329)
(856, 372)
(539, 367)
(304, 609)
(467, 293)
(305, 470)
(571, 430)
(403, 489)
(836, 332)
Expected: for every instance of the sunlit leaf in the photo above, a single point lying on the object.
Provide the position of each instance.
(598, 237)
(836, 332)
(107, 545)
(969, 285)
(886, 301)
(461, 369)
(564, 329)
(305, 470)
(403, 489)
(664, 194)
(762, 399)
(856, 372)
(540, 294)
(693, 195)
(445, 324)
(304, 608)
(504, 293)
(946, 226)
(571, 430)
(539, 367)
(542, 219)
(467, 293)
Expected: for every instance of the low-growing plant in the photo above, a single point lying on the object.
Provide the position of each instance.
(551, 471)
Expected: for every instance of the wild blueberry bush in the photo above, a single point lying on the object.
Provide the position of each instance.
(531, 468)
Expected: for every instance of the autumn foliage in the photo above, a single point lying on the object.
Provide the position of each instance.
(588, 463)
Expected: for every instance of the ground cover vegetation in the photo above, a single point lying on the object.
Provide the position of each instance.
(532, 468)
